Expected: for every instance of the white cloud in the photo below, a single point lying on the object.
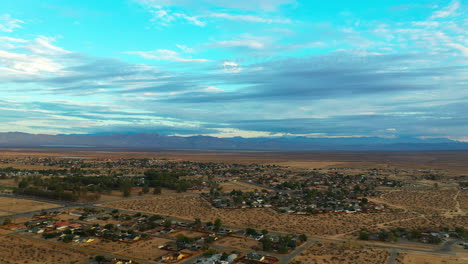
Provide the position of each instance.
(249, 18)
(36, 58)
(463, 49)
(426, 23)
(166, 11)
(43, 45)
(10, 43)
(192, 19)
(164, 17)
(243, 43)
(163, 54)
(9, 24)
(212, 89)
(161, 16)
(263, 5)
(185, 48)
(231, 67)
(27, 63)
(447, 11)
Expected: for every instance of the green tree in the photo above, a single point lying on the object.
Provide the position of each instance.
(7, 221)
(197, 224)
(99, 259)
(363, 236)
(267, 244)
(217, 224)
(157, 190)
(303, 237)
(250, 232)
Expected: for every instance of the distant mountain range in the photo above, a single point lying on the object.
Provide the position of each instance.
(155, 141)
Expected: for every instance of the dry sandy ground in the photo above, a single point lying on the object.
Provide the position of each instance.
(186, 233)
(191, 207)
(147, 249)
(245, 187)
(335, 253)
(412, 258)
(463, 199)
(21, 206)
(237, 242)
(312, 164)
(427, 201)
(3, 213)
(16, 250)
(430, 222)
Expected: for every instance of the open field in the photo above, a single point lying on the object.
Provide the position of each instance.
(338, 253)
(463, 199)
(2, 213)
(16, 250)
(246, 243)
(21, 205)
(412, 258)
(191, 207)
(147, 249)
(187, 233)
(242, 186)
(424, 201)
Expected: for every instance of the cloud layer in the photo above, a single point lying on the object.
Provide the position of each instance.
(257, 69)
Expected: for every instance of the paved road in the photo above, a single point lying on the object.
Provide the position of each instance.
(393, 256)
(297, 252)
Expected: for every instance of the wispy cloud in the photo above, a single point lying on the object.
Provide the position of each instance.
(249, 18)
(263, 5)
(9, 24)
(447, 11)
(163, 54)
(169, 11)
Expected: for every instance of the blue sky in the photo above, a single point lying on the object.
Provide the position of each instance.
(256, 68)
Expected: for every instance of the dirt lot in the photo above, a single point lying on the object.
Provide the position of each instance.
(191, 207)
(4, 213)
(21, 206)
(412, 258)
(240, 243)
(342, 253)
(187, 233)
(245, 187)
(16, 250)
(147, 249)
(463, 199)
(427, 201)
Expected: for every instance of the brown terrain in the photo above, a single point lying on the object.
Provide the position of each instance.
(13, 205)
(191, 207)
(335, 253)
(17, 250)
(426, 204)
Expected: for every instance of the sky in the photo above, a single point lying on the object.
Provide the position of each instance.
(248, 68)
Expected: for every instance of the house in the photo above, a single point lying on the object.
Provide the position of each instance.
(255, 256)
(75, 226)
(174, 256)
(36, 230)
(61, 225)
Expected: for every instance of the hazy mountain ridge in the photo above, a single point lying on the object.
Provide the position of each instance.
(156, 141)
